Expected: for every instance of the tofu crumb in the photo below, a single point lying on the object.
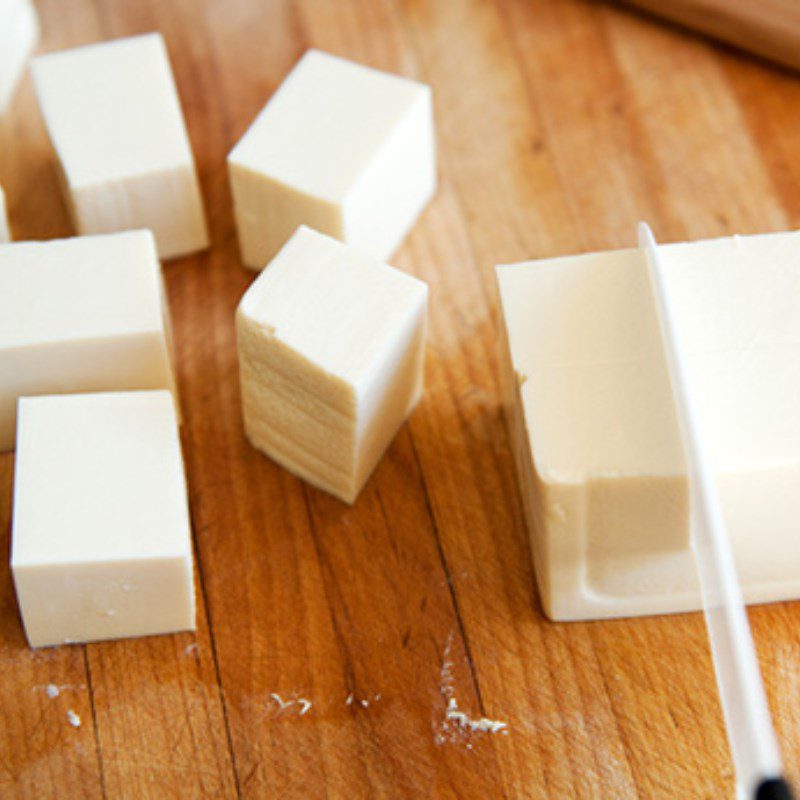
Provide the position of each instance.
(73, 719)
(305, 705)
(52, 690)
(456, 722)
(282, 704)
(349, 700)
(364, 703)
(461, 719)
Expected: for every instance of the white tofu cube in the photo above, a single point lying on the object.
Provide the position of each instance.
(331, 355)
(81, 315)
(598, 451)
(340, 147)
(5, 230)
(115, 121)
(19, 30)
(101, 539)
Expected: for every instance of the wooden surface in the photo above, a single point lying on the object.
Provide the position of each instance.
(560, 125)
(769, 28)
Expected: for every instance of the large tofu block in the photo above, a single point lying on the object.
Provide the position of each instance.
(331, 356)
(101, 539)
(19, 30)
(340, 147)
(115, 121)
(81, 315)
(597, 449)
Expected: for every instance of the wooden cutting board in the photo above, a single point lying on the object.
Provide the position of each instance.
(561, 124)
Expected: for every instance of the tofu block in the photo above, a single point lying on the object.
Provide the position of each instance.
(114, 117)
(593, 429)
(81, 315)
(101, 540)
(342, 148)
(331, 356)
(19, 31)
(5, 231)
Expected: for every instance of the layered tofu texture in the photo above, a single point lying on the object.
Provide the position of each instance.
(593, 428)
(331, 352)
(340, 147)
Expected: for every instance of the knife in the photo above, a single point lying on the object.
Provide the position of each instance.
(754, 747)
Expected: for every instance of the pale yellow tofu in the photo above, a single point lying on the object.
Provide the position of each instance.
(19, 31)
(101, 542)
(331, 356)
(340, 147)
(598, 453)
(114, 117)
(5, 230)
(86, 314)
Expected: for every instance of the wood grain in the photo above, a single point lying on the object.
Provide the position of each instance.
(561, 123)
(769, 28)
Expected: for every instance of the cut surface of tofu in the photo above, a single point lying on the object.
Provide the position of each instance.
(19, 30)
(114, 117)
(331, 356)
(101, 539)
(340, 147)
(81, 315)
(597, 449)
(5, 230)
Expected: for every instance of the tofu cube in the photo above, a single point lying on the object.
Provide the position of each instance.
(19, 31)
(598, 452)
(81, 315)
(113, 115)
(5, 231)
(101, 539)
(331, 352)
(342, 148)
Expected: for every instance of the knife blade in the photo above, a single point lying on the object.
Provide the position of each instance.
(754, 747)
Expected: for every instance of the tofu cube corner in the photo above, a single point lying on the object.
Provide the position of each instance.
(342, 148)
(331, 358)
(101, 541)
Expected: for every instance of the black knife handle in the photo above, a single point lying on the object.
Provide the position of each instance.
(774, 789)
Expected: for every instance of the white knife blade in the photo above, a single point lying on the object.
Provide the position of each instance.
(753, 745)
